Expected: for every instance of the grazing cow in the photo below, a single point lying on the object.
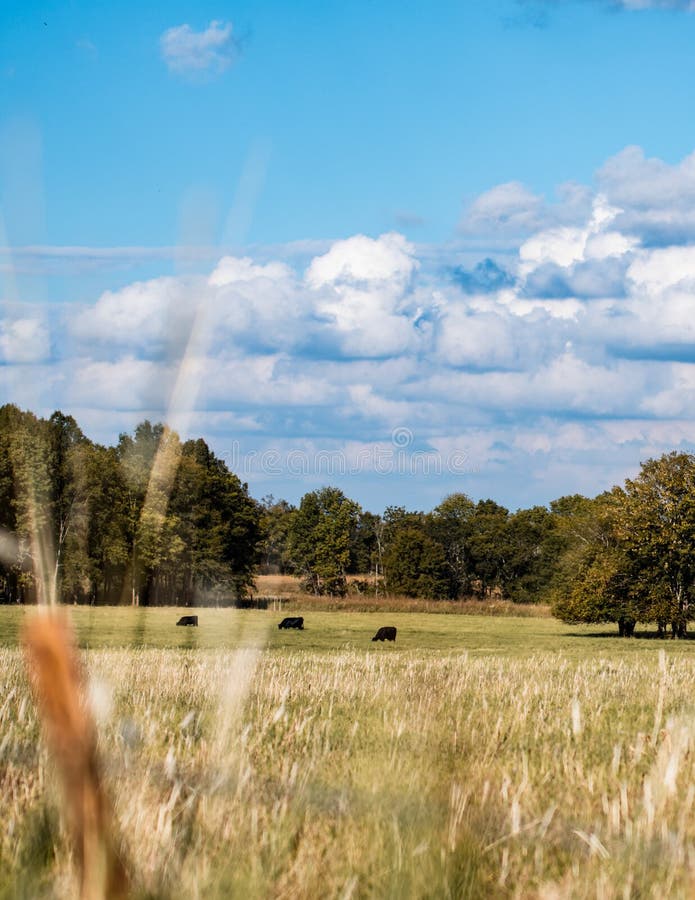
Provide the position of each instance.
(292, 622)
(188, 620)
(386, 633)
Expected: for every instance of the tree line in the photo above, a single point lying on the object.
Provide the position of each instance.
(154, 520)
(151, 520)
(459, 549)
(631, 551)
(625, 556)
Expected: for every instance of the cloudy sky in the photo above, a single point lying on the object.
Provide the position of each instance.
(404, 248)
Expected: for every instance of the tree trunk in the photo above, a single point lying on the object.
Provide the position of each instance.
(626, 627)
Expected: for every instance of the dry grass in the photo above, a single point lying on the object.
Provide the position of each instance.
(289, 587)
(398, 604)
(382, 774)
(277, 585)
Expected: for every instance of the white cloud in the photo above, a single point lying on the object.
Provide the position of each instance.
(371, 400)
(555, 370)
(186, 51)
(508, 207)
(565, 246)
(656, 270)
(513, 210)
(484, 340)
(122, 384)
(645, 199)
(24, 340)
(657, 199)
(362, 290)
(389, 259)
(231, 270)
(148, 316)
(365, 335)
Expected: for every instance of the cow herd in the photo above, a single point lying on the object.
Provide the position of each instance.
(385, 633)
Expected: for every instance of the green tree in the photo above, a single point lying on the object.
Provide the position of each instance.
(320, 536)
(229, 526)
(150, 519)
(276, 516)
(27, 515)
(68, 452)
(488, 547)
(577, 527)
(595, 581)
(199, 533)
(531, 550)
(451, 525)
(636, 557)
(365, 551)
(656, 528)
(397, 518)
(415, 565)
(108, 525)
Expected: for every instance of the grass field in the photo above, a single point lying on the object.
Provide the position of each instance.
(478, 757)
(223, 629)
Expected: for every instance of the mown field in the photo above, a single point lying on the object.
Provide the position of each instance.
(478, 757)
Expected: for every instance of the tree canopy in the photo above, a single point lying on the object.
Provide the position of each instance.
(321, 533)
(150, 520)
(415, 565)
(633, 550)
(155, 520)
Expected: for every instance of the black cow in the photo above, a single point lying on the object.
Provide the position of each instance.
(188, 620)
(292, 622)
(386, 633)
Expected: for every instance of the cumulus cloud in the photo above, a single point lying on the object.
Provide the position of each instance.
(656, 270)
(509, 207)
(587, 279)
(363, 260)
(121, 384)
(655, 198)
(556, 368)
(151, 317)
(362, 291)
(485, 277)
(231, 270)
(482, 341)
(24, 340)
(513, 210)
(648, 200)
(211, 51)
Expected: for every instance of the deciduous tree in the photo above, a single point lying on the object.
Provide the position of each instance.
(416, 566)
(320, 536)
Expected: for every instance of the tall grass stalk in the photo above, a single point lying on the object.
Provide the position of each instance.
(58, 685)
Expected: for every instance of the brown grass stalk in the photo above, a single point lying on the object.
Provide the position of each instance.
(58, 682)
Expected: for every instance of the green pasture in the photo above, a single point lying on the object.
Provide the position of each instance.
(325, 632)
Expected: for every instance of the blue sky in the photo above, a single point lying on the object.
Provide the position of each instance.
(468, 223)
